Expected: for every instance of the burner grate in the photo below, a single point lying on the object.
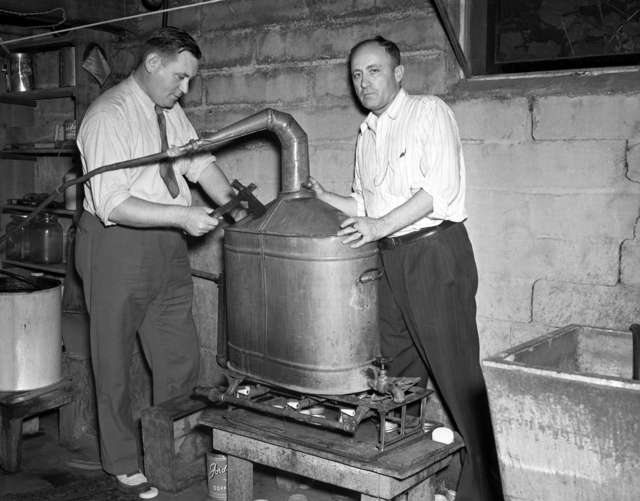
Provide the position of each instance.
(372, 423)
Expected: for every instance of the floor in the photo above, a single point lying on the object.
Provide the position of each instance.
(46, 463)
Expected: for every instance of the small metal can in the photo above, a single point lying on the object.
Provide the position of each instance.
(69, 129)
(217, 475)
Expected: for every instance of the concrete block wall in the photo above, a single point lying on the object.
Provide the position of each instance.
(553, 163)
(553, 201)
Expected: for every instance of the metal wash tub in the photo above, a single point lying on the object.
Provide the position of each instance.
(566, 416)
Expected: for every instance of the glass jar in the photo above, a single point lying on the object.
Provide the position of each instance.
(18, 245)
(46, 240)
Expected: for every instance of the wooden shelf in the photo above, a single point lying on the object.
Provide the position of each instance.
(42, 44)
(59, 268)
(30, 97)
(28, 208)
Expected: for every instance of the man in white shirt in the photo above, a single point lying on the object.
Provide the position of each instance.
(131, 247)
(408, 194)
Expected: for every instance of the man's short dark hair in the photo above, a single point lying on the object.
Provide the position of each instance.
(169, 42)
(390, 47)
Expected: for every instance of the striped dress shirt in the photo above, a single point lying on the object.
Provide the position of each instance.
(413, 145)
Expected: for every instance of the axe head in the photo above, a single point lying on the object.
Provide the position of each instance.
(256, 208)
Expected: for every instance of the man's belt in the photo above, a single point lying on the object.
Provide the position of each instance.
(390, 243)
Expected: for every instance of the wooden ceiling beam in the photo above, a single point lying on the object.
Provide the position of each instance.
(77, 13)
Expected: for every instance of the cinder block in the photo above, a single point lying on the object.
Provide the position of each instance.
(601, 116)
(426, 74)
(193, 98)
(211, 119)
(412, 32)
(497, 212)
(510, 120)
(332, 165)
(521, 333)
(340, 123)
(493, 334)
(256, 162)
(630, 264)
(585, 215)
(228, 49)
(504, 298)
(521, 255)
(205, 299)
(547, 166)
(562, 303)
(279, 85)
(189, 19)
(349, 8)
(333, 82)
(238, 14)
(307, 42)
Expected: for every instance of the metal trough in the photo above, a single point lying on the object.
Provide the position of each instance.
(566, 416)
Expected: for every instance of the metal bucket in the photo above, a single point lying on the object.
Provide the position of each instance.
(302, 307)
(21, 72)
(30, 334)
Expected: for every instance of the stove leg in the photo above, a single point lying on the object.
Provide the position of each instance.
(239, 479)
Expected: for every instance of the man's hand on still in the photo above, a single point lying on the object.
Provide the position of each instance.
(361, 230)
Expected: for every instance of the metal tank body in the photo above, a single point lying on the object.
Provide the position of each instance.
(302, 308)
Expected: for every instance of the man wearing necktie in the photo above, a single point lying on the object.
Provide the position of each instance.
(131, 249)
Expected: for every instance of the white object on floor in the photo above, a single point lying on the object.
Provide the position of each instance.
(439, 497)
(297, 497)
(151, 493)
(442, 434)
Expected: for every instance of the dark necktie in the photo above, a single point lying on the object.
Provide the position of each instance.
(166, 169)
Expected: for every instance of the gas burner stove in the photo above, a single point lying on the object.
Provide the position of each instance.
(362, 425)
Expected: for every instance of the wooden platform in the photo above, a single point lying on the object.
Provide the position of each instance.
(407, 469)
(15, 407)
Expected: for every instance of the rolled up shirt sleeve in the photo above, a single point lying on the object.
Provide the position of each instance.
(104, 143)
(441, 161)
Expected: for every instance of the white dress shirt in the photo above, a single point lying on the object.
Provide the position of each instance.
(122, 125)
(413, 145)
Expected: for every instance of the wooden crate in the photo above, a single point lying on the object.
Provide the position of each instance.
(175, 444)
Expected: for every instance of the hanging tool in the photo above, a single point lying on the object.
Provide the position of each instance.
(256, 208)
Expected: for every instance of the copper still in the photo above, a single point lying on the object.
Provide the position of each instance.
(302, 308)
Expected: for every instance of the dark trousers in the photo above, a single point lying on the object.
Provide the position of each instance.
(428, 326)
(135, 280)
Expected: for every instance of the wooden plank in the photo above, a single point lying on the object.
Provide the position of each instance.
(76, 13)
(33, 95)
(60, 268)
(174, 449)
(19, 100)
(38, 404)
(16, 156)
(399, 463)
(28, 208)
(239, 479)
(363, 480)
(11, 444)
(70, 426)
